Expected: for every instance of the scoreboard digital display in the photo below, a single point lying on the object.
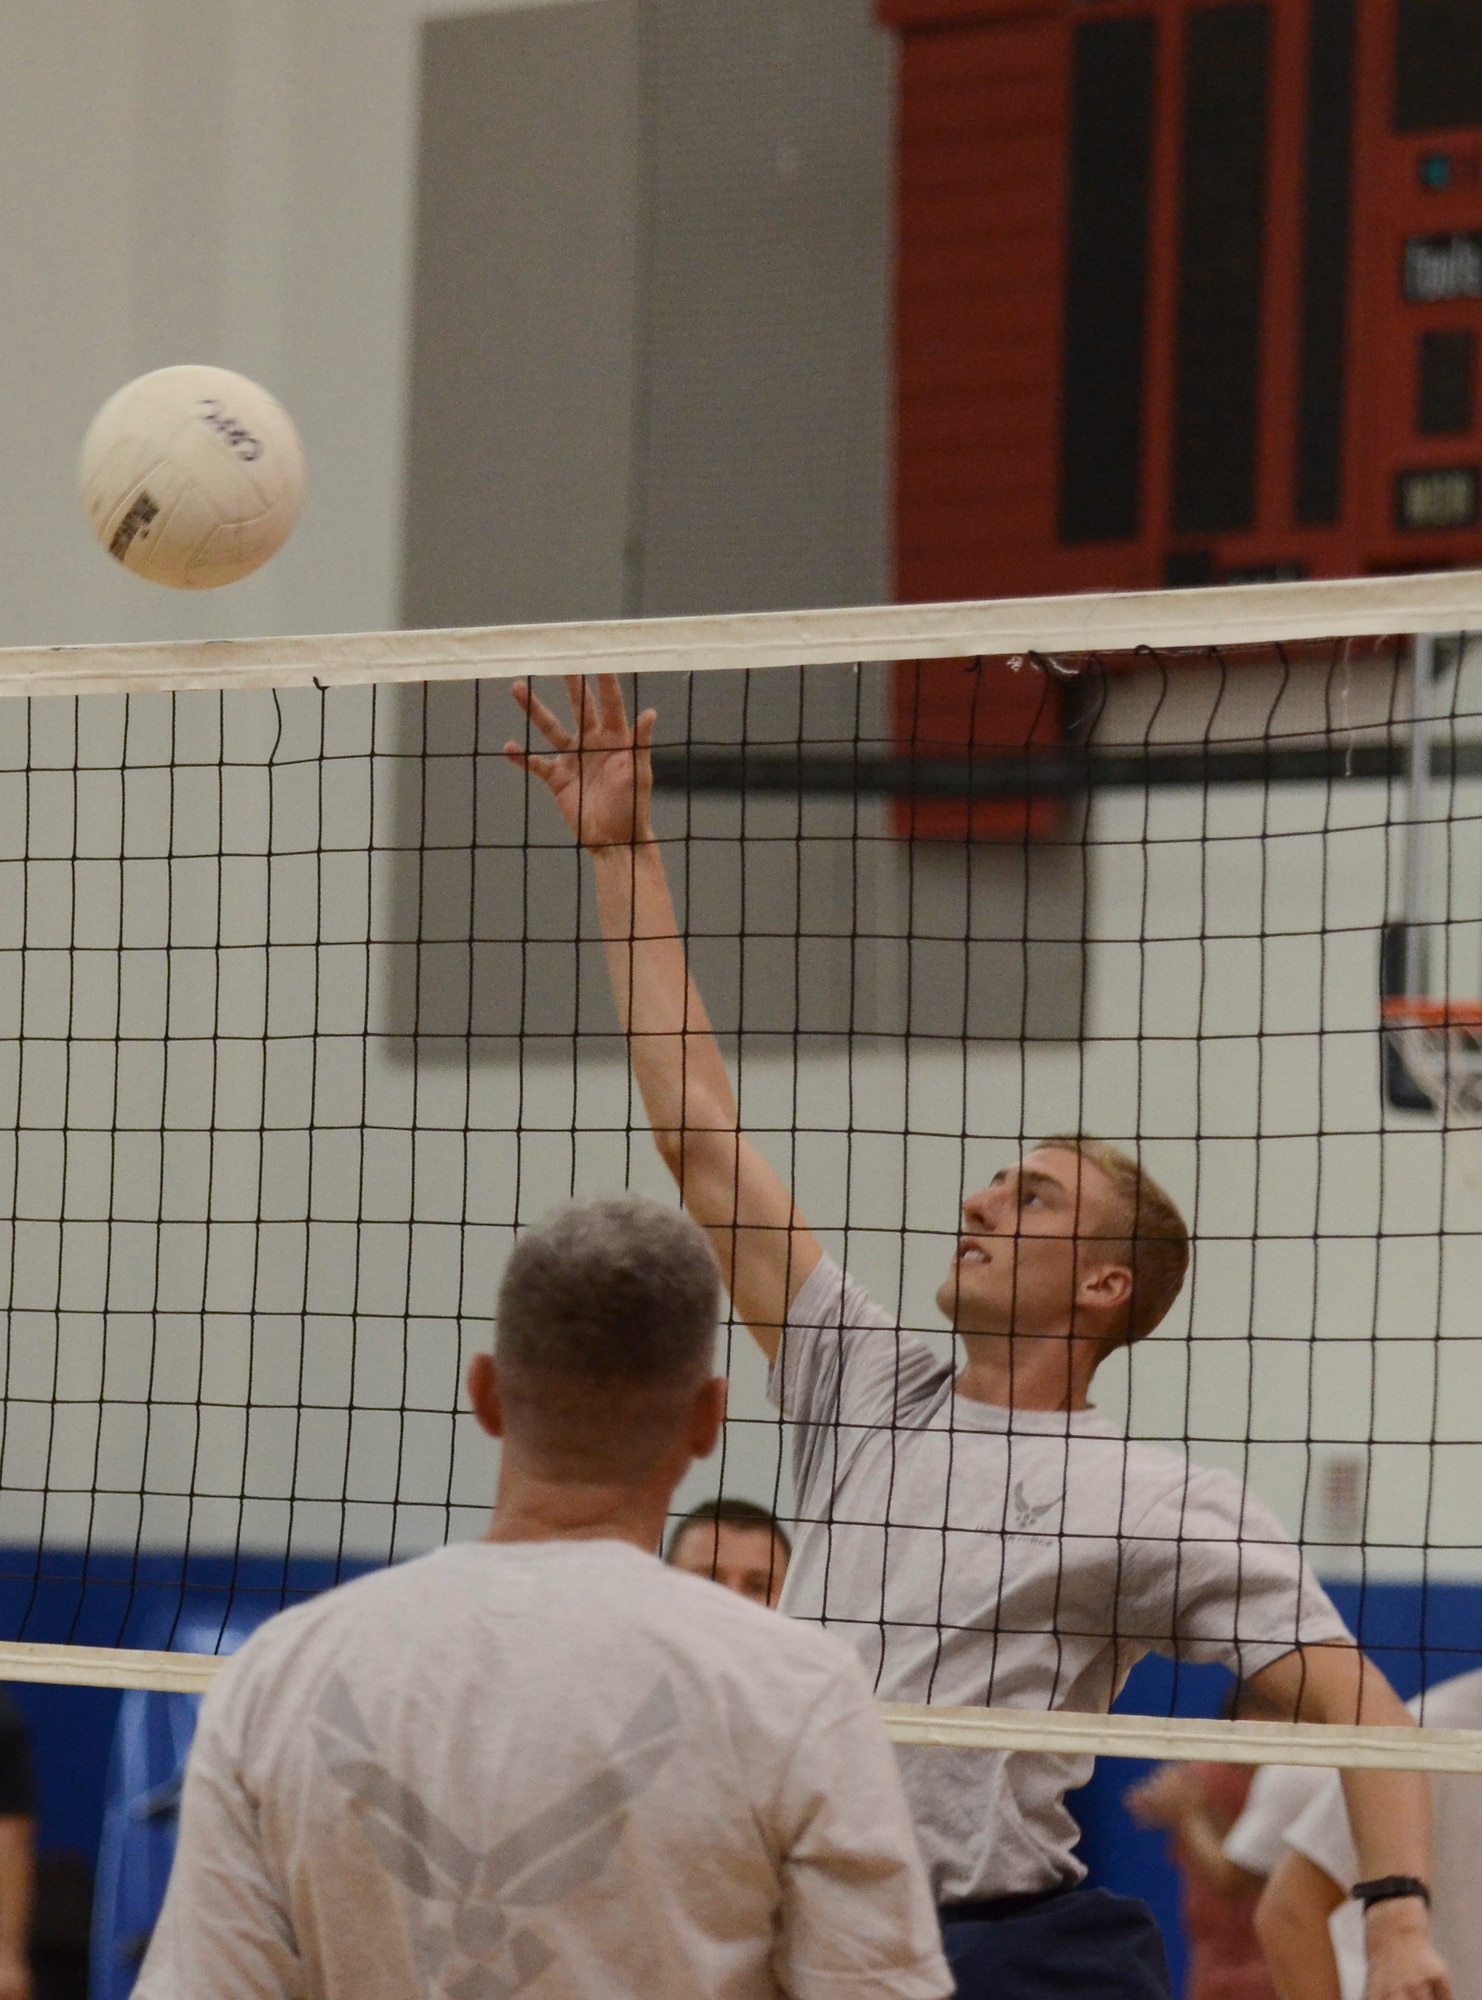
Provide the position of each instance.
(1186, 293)
(1200, 285)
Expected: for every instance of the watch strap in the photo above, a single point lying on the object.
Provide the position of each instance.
(1388, 1889)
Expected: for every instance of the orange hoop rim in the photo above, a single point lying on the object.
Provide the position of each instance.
(1406, 1011)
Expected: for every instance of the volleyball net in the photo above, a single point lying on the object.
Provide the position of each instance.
(303, 1014)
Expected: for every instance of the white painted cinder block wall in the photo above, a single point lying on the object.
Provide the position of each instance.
(223, 180)
(196, 179)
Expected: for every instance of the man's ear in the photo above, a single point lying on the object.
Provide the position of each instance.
(482, 1382)
(1107, 1287)
(708, 1416)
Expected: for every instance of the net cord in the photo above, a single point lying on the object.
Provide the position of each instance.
(1171, 1738)
(1097, 622)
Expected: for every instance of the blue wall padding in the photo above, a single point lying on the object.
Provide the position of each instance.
(1419, 1634)
(141, 1813)
(140, 1825)
(72, 1733)
(113, 1598)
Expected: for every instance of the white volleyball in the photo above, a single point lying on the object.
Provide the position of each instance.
(192, 476)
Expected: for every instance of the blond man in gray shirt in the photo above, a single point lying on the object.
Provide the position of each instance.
(981, 1535)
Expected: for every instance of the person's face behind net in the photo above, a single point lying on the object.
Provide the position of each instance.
(1030, 1239)
(741, 1556)
(606, 1333)
(1075, 1236)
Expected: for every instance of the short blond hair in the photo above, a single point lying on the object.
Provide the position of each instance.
(1155, 1237)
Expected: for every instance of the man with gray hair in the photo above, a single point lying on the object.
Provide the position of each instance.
(546, 1763)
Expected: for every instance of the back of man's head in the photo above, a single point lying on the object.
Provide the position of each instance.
(606, 1330)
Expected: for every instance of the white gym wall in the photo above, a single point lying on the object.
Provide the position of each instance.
(224, 180)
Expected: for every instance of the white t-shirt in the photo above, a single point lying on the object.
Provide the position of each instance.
(1279, 1794)
(1322, 1833)
(556, 1769)
(1025, 1558)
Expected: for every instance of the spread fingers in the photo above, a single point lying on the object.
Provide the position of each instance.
(546, 720)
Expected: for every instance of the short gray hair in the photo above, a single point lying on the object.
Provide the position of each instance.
(619, 1296)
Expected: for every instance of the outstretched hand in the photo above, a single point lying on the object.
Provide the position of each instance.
(601, 775)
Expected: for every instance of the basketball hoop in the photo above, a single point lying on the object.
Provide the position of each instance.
(1440, 1044)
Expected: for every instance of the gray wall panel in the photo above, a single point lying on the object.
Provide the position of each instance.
(764, 434)
(523, 317)
(651, 374)
(804, 916)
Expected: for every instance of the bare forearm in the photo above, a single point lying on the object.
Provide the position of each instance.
(1389, 1811)
(1292, 1924)
(1389, 1814)
(676, 1059)
(764, 1248)
(601, 780)
(17, 1885)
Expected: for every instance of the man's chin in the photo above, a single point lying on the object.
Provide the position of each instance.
(962, 1311)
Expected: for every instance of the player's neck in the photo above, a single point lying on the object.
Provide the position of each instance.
(1027, 1371)
(529, 1508)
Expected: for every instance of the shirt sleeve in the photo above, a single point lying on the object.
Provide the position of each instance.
(857, 1911)
(1279, 1794)
(845, 1369)
(17, 1775)
(1218, 1579)
(1323, 1834)
(224, 1927)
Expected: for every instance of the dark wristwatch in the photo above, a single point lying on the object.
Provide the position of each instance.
(1388, 1889)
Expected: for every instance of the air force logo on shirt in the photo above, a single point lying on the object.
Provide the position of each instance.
(472, 1944)
(1027, 1517)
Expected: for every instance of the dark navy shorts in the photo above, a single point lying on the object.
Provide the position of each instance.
(1082, 1942)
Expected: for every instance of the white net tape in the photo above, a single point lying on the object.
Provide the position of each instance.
(1176, 1738)
(1232, 615)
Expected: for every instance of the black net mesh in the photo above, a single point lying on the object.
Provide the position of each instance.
(305, 1013)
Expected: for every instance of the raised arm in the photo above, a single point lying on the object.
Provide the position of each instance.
(1389, 1812)
(601, 779)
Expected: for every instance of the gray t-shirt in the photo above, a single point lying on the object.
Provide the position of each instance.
(1323, 1834)
(556, 1769)
(1024, 1558)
